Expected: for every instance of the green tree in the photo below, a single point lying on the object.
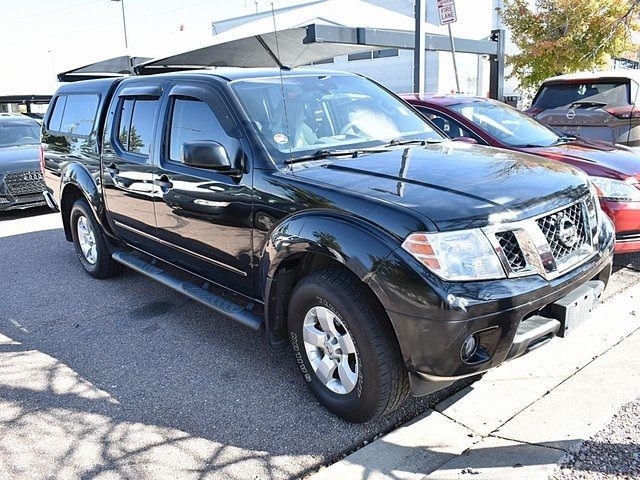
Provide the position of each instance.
(564, 36)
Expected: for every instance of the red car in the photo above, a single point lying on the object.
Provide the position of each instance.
(614, 169)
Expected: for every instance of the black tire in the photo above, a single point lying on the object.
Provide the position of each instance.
(104, 266)
(382, 381)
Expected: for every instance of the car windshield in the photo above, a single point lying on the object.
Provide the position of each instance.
(18, 133)
(506, 124)
(298, 115)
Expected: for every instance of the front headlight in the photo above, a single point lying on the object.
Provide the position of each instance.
(616, 190)
(457, 256)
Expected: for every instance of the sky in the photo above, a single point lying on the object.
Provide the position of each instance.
(41, 37)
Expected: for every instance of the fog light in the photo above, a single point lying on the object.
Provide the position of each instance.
(469, 348)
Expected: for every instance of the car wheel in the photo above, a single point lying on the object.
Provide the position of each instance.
(345, 346)
(90, 243)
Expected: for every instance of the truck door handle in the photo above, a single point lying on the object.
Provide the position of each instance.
(112, 169)
(163, 182)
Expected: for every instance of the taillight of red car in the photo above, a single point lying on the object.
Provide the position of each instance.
(533, 111)
(42, 159)
(625, 112)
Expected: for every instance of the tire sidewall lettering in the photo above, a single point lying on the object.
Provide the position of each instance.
(359, 385)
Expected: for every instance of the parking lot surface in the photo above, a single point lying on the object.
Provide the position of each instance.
(123, 378)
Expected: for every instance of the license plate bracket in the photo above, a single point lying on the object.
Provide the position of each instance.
(574, 309)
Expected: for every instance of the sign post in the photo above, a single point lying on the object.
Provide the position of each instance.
(448, 15)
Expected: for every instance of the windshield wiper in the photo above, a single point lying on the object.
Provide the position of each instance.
(588, 103)
(565, 139)
(397, 141)
(326, 153)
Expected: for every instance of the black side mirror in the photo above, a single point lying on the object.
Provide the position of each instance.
(207, 154)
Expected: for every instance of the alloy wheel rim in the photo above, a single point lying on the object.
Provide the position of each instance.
(330, 350)
(87, 240)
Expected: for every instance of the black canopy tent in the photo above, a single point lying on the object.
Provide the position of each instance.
(112, 67)
(303, 45)
(289, 48)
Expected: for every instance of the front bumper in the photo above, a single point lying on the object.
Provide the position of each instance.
(626, 218)
(432, 318)
(21, 202)
(21, 189)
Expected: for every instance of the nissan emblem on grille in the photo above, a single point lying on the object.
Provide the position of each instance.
(567, 231)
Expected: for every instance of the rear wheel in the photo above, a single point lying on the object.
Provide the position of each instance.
(89, 241)
(345, 347)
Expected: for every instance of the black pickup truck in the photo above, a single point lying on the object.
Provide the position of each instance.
(320, 208)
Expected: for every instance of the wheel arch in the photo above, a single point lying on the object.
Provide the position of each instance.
(77, 182)
(310, 242)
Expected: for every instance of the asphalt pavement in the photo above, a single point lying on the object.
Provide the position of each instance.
(123, 378)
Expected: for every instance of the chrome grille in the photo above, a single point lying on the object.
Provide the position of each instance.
(512, 251)
(564, 230)
(25, 183)
(548, 245)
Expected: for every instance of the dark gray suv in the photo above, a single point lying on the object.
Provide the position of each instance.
(599, 106)
(21, 182)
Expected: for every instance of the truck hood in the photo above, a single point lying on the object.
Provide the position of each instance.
(18, 159)
(454, 185)
(594, 157)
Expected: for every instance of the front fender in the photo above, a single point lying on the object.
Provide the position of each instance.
(351, 241)
(358, 245)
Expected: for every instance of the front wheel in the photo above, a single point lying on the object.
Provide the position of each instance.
(345, 347)
(90, 243)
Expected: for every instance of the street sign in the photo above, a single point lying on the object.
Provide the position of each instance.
(447, 11)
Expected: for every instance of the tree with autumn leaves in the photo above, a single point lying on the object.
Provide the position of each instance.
(564, 36)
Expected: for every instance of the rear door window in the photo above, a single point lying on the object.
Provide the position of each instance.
(606, 93)
(136, 124)
(79, 114)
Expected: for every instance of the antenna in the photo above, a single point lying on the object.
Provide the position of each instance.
(284, 99)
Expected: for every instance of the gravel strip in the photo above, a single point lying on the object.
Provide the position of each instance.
(611, 454)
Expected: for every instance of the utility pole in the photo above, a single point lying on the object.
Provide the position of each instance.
(419, 48)
(124, 24)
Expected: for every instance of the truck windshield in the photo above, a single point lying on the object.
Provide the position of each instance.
(19, 134)
(506, 124)
(305, 114)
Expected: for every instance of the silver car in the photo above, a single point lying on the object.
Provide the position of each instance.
(594, 105)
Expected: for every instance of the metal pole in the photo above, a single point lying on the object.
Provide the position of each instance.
(419, 48)
(124, 26)
(453, 55)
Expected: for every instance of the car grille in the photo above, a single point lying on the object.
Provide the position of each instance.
(512, 250)
(564, 241)
(548, 245)
(25, 183)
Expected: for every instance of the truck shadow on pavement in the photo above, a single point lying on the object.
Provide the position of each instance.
(126, 376)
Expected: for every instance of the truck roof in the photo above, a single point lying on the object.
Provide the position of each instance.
(225, 73)
(237, 73)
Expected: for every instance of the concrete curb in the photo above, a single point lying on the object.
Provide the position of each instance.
(522, 418)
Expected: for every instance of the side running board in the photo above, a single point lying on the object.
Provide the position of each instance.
(215, 302)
